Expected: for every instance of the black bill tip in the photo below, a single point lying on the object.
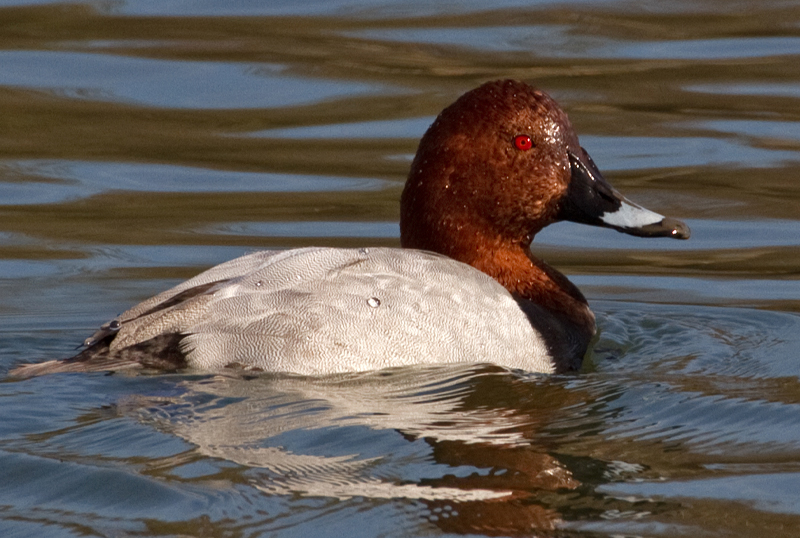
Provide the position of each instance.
(666, 227)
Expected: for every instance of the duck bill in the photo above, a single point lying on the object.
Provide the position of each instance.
(590, 199)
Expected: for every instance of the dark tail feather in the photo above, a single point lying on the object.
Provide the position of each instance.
(159, 353)
(62, 366)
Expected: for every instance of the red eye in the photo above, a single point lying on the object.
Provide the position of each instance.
(523, 142)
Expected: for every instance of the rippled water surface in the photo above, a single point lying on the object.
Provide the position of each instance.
(141, 142)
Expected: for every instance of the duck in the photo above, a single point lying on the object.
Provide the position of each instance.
(495, 167)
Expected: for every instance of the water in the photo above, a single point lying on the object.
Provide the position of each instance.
(142, 142)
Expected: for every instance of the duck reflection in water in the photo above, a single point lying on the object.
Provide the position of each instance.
(474, 429)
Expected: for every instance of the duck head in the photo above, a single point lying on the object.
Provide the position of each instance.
(500, 164)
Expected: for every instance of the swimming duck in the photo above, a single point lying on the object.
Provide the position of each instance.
(494, 168)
